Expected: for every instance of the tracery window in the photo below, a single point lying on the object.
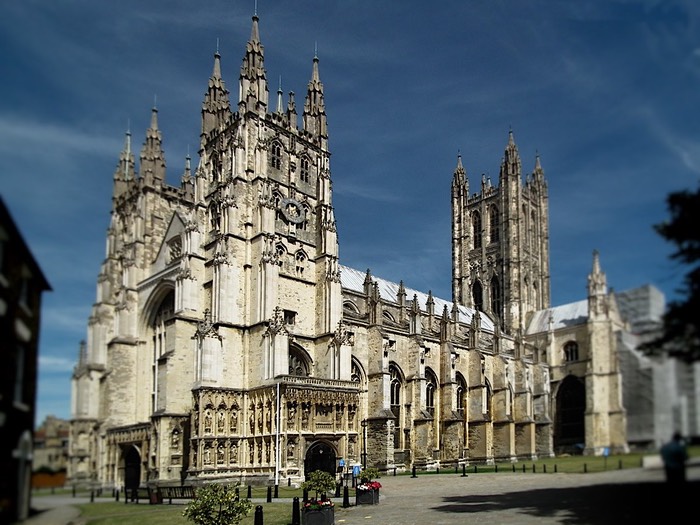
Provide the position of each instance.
(570, 351)
(276, 155)
(395, 400)
(461, 394)
(298, 365)
(304, 169)
(430, 391)
(495, 224)
(476, 227)
(478, 295)
(496, 299)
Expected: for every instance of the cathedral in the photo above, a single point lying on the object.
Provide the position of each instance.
(228, 341)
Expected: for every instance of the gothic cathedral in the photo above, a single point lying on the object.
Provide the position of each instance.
(228, 342)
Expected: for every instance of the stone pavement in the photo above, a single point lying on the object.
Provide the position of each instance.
(638, 496)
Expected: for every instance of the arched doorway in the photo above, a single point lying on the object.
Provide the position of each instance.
(320, 456)
(570, 429)
(132, 468)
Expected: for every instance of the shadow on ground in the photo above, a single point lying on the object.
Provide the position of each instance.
(613, 503)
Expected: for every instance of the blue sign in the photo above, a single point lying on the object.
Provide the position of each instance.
(606, 451)
(356, 470)
(341, 463)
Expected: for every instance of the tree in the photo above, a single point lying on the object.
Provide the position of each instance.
(216, 504)
(320, 482)
(681, 322)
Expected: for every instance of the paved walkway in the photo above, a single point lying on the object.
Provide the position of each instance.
(638, 496)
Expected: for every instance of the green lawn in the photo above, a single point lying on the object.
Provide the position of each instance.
(107, 511)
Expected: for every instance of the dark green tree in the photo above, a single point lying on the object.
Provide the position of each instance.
(681, 322)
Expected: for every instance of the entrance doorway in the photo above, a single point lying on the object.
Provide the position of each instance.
(132, 468)
(320, 456)
(570, 428)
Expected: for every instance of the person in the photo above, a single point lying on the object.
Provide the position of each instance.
(675, 455)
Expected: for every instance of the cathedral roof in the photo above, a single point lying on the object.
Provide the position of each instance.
(563, 316)
(353, 280)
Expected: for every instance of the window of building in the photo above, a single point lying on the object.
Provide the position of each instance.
(478, 295)
(430, 391)
(305, 170)
(276, 155)
(395, 395)
(290, 317)
(298, 365)
(476, 227)
(496, 298)
(300, 260)
(571, 351)
(461, 394)
(495, 224)
(174, 248)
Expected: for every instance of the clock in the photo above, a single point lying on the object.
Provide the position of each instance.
(293, 210)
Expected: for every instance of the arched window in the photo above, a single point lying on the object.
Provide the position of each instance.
(395, 400)
(304, 169)
(161, 319)
(300, 262)
(496, 298)
(494, 224)
(570, 351)
(476, 227)
(488, 394)
(281, 253)
(276, 155)
(298, 365)
(461, 394)
(431, 390)
(478, 295)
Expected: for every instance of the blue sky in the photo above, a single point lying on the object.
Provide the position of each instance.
(602, 90)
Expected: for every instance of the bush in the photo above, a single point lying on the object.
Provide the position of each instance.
(216, 504)
(368, 474)
(320, 482)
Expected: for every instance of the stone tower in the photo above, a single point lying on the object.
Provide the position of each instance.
(500, 242)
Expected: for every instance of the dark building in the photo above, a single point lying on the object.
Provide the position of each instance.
(21, 285)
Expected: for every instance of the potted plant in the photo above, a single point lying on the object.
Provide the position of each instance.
(367, 492)
(319, 509)
(216, 504)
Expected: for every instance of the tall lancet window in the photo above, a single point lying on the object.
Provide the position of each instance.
(161, 320)
(494, 224)
(496, 298)
(478, 296)
(476, 227)
(276, 155)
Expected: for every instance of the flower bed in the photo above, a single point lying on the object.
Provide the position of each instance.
(367, 493)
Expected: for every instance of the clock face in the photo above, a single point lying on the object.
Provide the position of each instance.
(292, 210)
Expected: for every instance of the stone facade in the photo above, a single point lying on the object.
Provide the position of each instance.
(228, 342)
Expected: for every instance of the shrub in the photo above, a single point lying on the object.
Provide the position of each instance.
(320, 482)
(368, 474)
(217, 504)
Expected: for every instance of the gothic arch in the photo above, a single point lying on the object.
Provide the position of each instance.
(569, 425)
(164, 293)
(358, 373)
(300, 362)
(396, 388)
(432, 392)
(478, 295)
(350, 307)
(320, 455)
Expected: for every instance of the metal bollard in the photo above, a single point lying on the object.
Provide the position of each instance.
(269, 494)
(296, 512)
(346, 497)
(250, 491)
(413, 474)
(277, 491)
(259, 515)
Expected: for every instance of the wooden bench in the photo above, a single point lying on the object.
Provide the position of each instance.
(171, 493)
(134, 495)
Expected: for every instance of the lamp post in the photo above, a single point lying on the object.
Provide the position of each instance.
(364, 443)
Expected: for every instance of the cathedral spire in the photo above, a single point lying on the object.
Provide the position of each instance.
(459, 178)
(253, 81)
(511, 166)
(152, 159)
(124, 174)
(314, 117)
(216, 108)
(597, 289)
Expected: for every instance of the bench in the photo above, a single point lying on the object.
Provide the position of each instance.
(171, 493)
(134, 495)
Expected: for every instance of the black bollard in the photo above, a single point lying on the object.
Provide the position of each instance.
(289, 482)
(464, 471)
(413, 474)
(495, 467)
(116, 494)
(474, 469)
(619, 465)
(544, 468)
(513, 467)
(337, 490)
(523, 467)
(92, 496)
(585, 468)
(346, 497)
(269, 494)
(250, 491)
(555, 468)
(258, 515)
(73, 490)
(456, 467)
(296, 512)
(438, 470)
(533, 468)
(277, 490)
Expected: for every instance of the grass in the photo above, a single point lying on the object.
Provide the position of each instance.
(111, 512)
